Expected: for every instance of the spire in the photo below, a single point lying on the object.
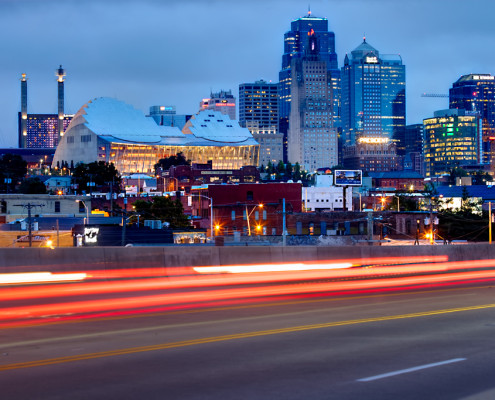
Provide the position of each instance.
(309, 10)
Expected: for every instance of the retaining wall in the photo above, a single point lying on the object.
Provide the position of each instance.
(86, 258)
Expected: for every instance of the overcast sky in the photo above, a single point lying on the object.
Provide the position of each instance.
(174, 52)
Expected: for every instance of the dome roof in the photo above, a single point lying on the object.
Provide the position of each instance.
(364, 49)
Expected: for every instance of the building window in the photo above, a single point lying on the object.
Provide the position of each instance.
(82, 209)
(232, 215)
(4, 207)
(264, 215)
(249, 195)
(244, 215)
(256, 215)
(57, 206)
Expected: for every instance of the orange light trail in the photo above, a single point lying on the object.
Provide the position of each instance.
(101, 305)
(44, 291)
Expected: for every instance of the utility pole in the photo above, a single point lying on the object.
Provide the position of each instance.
(490, 222)
(124, 221)
(284, 236)
(29, 206)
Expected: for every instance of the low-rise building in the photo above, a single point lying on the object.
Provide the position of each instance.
(16, 206)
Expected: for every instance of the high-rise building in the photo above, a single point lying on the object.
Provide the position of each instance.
(311, 137)
(167, 116)
(373, 108)
(42, 130)
(223, 101)
(295, 46)
(476, 93)
(258, 111)
(413, 148)
(452, 138)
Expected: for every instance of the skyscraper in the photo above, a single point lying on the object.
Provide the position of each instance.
(476, 93)
(373, 108)
(295, 46)
(451, 139)
(167, 116)
(223, 101)
(311, 138)
(258, 111)
(42, 130)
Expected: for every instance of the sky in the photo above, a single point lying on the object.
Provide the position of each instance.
(175, 52)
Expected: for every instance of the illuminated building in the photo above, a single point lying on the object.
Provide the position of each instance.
(295, 47)
(223, 101)
(452, 139)
(42, 130)
(373, 106)
(249, 208)
(109, 130)
(311, 138)
(476, 93)
(167, 116)
(258, 111)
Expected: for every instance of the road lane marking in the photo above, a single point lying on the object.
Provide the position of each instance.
(407, 370)
(214, 339)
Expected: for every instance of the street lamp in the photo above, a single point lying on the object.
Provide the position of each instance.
(86, 221)
(248, 215)
(211, 212)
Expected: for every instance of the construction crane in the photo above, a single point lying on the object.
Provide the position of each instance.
(434, 95)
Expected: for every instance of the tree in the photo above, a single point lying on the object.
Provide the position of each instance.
(32, 186)
(164, 209)
(13, 168)
(166, 163)
(100, 173)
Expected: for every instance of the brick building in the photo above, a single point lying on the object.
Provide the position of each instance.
(249, 208)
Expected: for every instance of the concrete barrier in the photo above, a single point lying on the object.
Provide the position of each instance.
(77, 259)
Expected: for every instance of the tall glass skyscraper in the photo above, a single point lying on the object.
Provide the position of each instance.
(373, 106)
(295, 46)
(476, 93)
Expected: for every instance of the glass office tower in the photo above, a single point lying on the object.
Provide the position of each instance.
(476, 93)
(452, 138)
(373, 105)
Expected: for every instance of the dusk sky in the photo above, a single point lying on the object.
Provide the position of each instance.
(174, 52)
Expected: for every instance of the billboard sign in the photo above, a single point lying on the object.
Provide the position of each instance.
(348, 177)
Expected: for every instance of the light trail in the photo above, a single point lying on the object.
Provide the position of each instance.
(231, 294)
(38, 277)
(202, 281)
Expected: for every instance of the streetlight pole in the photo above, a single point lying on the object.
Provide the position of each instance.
(86, 222)
(248, 215)
(211, 212)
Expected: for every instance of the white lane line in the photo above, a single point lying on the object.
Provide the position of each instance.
(405, 371)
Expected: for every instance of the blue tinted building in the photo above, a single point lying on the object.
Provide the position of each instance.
(373, 107)
(476, 93)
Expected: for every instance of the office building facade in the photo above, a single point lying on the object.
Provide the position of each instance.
(373, 108)
(311, 137)
(167, 116)
(295, 47)
(223, 101)
(452, 138)
(476, 93)
(258, 111)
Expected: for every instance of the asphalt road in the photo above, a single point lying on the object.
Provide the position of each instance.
(435, 344)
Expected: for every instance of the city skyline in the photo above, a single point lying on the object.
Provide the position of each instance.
(175, 53)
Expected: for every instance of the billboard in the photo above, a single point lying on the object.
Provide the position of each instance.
(348, 177)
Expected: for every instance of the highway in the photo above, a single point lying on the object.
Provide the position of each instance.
(329, 333)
